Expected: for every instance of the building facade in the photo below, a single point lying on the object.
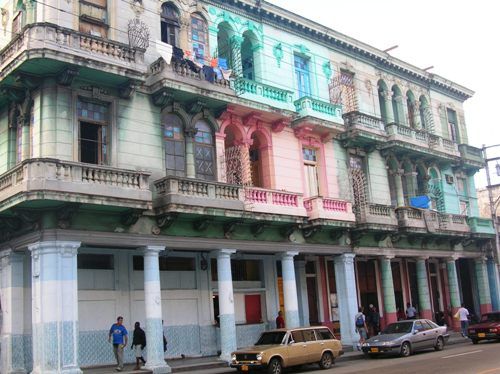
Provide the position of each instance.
(200, 165)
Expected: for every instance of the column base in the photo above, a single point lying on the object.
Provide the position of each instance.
(158, 368)
(390, 317)
(58, 371)
(485, 308)
(426, 314)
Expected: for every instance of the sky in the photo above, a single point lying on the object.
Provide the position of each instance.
(460, 38)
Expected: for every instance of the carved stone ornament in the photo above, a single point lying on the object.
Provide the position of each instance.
(137, 6)
(138, 34)
(5, 19)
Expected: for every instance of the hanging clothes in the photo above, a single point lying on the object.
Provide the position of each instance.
(223, 63)
(192, 66)
(208, 71)
(177, 54)
(218, 73)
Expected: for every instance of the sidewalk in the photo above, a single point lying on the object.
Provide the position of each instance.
(212, 365)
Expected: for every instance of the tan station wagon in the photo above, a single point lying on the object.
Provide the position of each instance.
(281, 348)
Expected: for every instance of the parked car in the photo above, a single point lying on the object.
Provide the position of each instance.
(488, 328)
(405, 337)
(281, 348)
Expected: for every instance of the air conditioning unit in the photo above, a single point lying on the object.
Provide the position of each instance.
(449, 179)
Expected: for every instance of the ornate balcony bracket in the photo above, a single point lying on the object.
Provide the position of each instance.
(130, 217)
(127, 90)
(65, 214)
(166, 220)
(163, 98)
(201, 224)
(67, 76)
(230, 226)
(28, 81)
(258, 228)
(310, 232)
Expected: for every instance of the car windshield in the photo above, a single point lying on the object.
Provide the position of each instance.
(494, 317)
(398, 328)
(275, 337)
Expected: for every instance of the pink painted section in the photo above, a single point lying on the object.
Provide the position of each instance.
(325, 177)
(331, 170)
(455, 323)
(334, 205)
(426, 314)
(485, 308)
(287, 161)
(390, 318)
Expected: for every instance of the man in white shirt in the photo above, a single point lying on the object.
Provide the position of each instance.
(463, 316)
(411, 312)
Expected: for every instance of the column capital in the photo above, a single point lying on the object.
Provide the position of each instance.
(288, 254)
(54, 246)
(152, 249)
(345, 258)
(422, 258)
(10, 256)
(224, 252)
(388, 257)
(480, 260)
(453, 259)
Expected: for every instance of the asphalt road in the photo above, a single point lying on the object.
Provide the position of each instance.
(483, 358)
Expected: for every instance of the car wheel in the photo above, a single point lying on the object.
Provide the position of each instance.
(274, 366)
(326, 361)
(405, 349)
(475, 341)
(439, 344)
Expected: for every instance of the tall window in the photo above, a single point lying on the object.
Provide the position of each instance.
(93, 119)
(169, 24)
(94, 17)
(175, 155)
(302, 75)
(311, 171)
(452, 125)
(247, 60)
(204, 152)
(199, 35)
(19, 143)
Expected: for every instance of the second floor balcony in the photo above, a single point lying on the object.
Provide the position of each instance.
(264, 93)
(471, 156)
(319, 208)
(428, 221)
(361, 129)
(376, 215)
(65, 181)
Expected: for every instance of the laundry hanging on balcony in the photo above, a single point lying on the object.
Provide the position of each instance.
(422, 202)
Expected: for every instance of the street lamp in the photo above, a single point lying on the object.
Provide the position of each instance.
(493, 204)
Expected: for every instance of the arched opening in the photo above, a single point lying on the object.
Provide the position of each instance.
(410, 104)
(175, 149)
(247, 55)
(421, 181)
(408, 182)
(236, 157)
(224, 34)
(204, 152)
(170, 24)
(397, 105)
(392, 166)
(425, 113)
(199, 38)
(382, 97)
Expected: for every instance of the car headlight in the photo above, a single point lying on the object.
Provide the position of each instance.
(259, 356)
(233, 357)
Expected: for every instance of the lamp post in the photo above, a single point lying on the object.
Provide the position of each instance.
(493, 204)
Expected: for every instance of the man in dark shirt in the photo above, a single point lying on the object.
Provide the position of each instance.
(138, 344)
(280, 322)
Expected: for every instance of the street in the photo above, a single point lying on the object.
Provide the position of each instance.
(483, 358)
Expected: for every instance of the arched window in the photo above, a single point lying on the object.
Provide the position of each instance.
(175, 152)
(382, 97)
(204, 152)
(247, 56)
(425, 113)
(169, 24)
(397, 105)
(199, 36)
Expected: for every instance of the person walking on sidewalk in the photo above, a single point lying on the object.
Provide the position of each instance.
(360, 323)
(138, 344)
(463, 315)
(120, 339)
(280, 321)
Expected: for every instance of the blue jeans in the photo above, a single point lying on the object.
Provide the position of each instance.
(464, 325)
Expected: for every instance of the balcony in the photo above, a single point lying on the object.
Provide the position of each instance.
(363, 129)
(309, 107)
(193, 196)
(56, 180)
(428, 221)
(481, 225)
(471, 156)
(376, 214)
(420, 140)
(263, 93)
(327, 208)
(49, 41)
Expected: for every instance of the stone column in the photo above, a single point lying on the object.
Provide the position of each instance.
(290, 289)
(190, 163)
(424, 300)
(347, 297)
(416, 114)
(226, 304)
(483, 287)
(388, 108)
(12, 297)
(454, 290)
(399, 187)
(388, 290)
(55, 307)
(397, 101)
(494, 284)
(152, 299)
(303, 302)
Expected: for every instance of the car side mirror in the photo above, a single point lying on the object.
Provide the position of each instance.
(415, 332)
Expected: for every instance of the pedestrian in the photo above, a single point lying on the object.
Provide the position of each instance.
(360, 323)
(280, 321)
(411, 312)
(138, 344)
(120, 340)
(164, 338)
(462, 314)
(374, 320)
(400, 314)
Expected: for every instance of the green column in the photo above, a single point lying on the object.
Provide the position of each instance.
(453, 283)
(388, 290)
(483, 286)
(424, 299)
(399, 187)
(388, 106)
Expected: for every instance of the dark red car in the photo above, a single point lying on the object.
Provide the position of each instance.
(487, 329)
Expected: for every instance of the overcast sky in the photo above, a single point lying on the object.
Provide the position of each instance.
(460, 38)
